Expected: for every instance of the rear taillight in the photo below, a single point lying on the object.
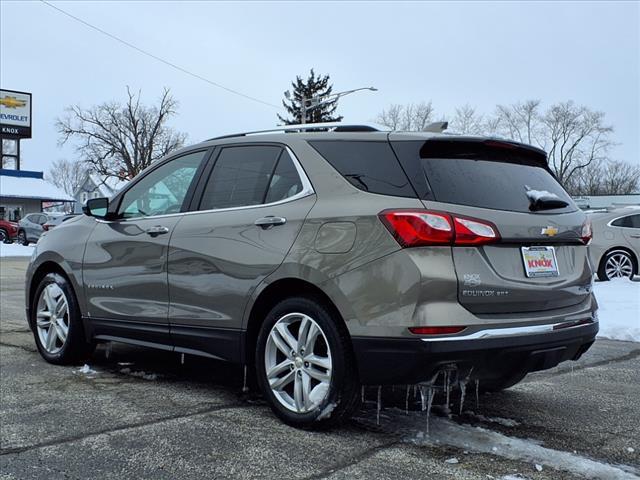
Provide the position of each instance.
(46, 227)
(435, 330)
(419, 228)
(587, 233)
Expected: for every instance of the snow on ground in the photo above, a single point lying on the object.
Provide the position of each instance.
(619, 302)
(15, 250)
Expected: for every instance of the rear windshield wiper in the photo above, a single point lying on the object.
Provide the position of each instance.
(543, 200)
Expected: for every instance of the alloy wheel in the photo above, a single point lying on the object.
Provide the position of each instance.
(618, 265)
(298, 363)
(52, 318)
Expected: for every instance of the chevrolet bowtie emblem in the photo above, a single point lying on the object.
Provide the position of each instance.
(12, 102)
(549, 231)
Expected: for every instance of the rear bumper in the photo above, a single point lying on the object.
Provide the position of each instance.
(493, 354)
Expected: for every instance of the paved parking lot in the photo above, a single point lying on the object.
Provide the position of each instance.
(140, 413)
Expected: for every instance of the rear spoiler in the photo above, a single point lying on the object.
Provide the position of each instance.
(484, 149)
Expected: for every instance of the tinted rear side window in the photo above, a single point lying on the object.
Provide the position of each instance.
(285, 181)
(483, 180)
(632, 221)
(240, 177)
(369, 166)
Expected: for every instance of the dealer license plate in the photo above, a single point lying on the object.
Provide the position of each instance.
(540, 261)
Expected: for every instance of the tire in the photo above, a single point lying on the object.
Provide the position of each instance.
(4, 236)
(617, 264)
(329, 399)
(502, 383)
(22, 238)
(63, 349)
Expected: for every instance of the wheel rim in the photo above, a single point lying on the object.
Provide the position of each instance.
(22, 237)
(298, 363)
(52, 318)
(3, 236)
(619, 265)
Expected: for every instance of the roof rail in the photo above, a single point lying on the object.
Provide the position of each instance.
(304, 127)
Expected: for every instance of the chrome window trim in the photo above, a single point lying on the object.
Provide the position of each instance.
(511, 331)
(307, 190)
(609, 224)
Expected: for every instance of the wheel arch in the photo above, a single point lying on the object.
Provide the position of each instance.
(43, 269)
(269, 297)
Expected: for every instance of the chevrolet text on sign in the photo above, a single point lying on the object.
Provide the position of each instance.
(15, 113)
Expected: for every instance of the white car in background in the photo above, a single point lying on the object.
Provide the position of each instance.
(615, 248)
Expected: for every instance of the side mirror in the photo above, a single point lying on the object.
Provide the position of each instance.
(96, 207)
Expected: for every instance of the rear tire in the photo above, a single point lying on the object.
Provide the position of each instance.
(56, 322)
(305, 365)
(22, 238)
(617, 264)
(4, 236)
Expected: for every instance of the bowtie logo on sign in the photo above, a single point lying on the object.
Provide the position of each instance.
(12, 102)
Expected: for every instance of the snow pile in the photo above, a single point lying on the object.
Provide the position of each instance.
(15, 250)
(619, 314)
(536, 195)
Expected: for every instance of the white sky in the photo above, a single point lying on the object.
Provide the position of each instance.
(479, 53)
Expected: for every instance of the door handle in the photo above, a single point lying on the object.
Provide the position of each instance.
(634, 236)
(268, 222)
(157, 230)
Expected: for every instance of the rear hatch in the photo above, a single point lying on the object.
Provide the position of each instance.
(539, 260)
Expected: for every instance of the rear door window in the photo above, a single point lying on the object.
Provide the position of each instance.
(368, 166)
(240, 177)
(631, 221)
(482, 178)
(285, 182)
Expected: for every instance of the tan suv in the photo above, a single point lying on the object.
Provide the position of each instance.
(326, 260)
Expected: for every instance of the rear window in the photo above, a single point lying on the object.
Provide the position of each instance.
(484, 177)
(368, 166)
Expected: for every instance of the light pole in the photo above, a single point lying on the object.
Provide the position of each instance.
(319, 100)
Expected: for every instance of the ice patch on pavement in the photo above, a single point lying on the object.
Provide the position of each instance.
(619, 313)
(505, 422)
(446, 432)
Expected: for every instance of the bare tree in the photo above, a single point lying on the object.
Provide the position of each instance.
(575, 137)
(67, 175)
(520, 121)
(413, 117)
(120, 140)
(467, 121)
(603, 177)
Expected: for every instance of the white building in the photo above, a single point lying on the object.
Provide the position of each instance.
(96, 186)
(23, 192)
(590, 202)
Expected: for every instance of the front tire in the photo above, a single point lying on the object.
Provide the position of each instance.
(305, 365)
(56, 322)
(617, 264)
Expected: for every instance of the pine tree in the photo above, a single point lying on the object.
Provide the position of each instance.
(314, 88)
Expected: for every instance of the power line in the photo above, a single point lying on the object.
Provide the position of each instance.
(155, 57)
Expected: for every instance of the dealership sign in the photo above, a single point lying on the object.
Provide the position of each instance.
(15, 114)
